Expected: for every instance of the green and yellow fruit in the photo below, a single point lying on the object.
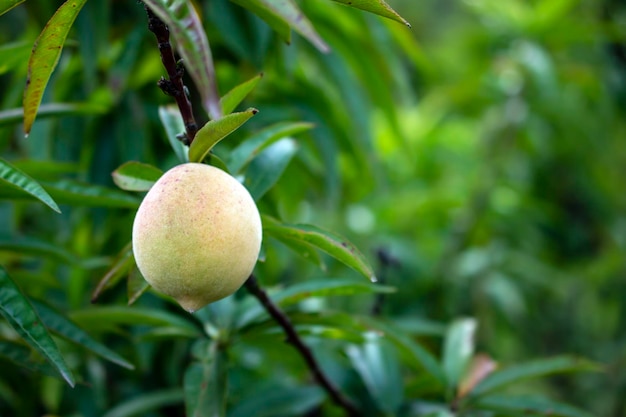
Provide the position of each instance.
(197, 235)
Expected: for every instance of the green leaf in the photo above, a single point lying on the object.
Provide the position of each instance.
(81, 194)
(206, 384)
(331, 243)
(288, 11)
(11, 175)
(136, 285)
(21, 315)
(193, 46)
(16, 115)
(278, 400)
(141, 405)
(458, 350)
(174, 126)
(265, 170)
(45, 56)
(22, 356)
(235, 96)
(136, 176)
(533, 369)
(109, 317)
(13, 55)
(6, 5)
(121, 265)
(252, 146)
(379, 7)
(276, 22)
(303, 249)
(530, 406)
(64, 327)
(37, 248)
(216, 130)
(377, 364)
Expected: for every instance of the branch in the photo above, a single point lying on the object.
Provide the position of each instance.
(293, 338)
(174, 85)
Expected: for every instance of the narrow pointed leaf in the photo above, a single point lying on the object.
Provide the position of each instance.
(22, 356)
(21, 315)
(45, 56)
(331, 243)
(82, 194)
(65, 328)
(276, 22)
(136, 285)
(252, 146)
(136, 176)
(458, 350)
(6, 5)
(206, 384)
(267, 168)
(174, 126)
(193, 46)
(216, 130)
(16, 115)
(235, 96)
(530, 406)
(379, 7)
(144, 404)
(121, 265)
(533, 369)
(307, 251)
(12, 175)
(37, 248)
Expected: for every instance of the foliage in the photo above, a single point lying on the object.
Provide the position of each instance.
(471, 165)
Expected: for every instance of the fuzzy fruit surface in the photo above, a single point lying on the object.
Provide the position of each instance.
(197, 235)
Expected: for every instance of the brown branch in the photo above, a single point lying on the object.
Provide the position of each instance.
(294, 339)
(173, 86)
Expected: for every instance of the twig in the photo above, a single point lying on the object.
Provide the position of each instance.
(174, 85)
(293, 338)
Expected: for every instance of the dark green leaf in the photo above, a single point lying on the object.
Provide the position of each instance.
(21, 315)
(458, 350)
(271, 401)
(81, 194)
(303, 249)
(252, 146)
(216, 130)
(276, 22)
(530, 406)
(13, 116)
(206, 384)
(174, 126)
(234, 97)
(6, 5)
(331, 243)
(12, 175)
(379, 7)
(45, 56)
(64, 327)
(22, 356)
(141, 405)
(136, 176)
(265, 170)
(193, 46)
(38, 248)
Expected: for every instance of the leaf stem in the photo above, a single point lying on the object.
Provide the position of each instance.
(294, 339)
(173, 86)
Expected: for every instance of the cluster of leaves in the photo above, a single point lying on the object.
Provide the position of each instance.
(463, 220)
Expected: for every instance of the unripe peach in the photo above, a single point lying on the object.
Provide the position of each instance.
(197, 235)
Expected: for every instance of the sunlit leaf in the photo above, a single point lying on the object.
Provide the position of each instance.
(21, 315)
(331, 243)
(45, 56)
(136, 176)
(206, 384)
(174, 126)
(216, 130)
(252, 146)
(6, 5)
(143, 404)
(458, 350)
(235, 96)
(379, 7)
(193, 46)
(59, 324)
(12, 175)
(267, 168)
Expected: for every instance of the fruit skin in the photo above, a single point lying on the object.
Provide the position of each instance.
(197, 235)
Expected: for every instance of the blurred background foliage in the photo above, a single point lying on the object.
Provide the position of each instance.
(477, 159)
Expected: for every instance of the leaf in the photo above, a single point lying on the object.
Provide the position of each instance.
(136, 285)
(333, 244)
(21, 315)
(216, 130)
(13, 55)
(278, 400)
(16, 115)
(6, 5)
(377, 364)
(140, 405)
(379, 7)
(277, 23)
(45, 56)
(123, 262)
(458, 350)
(265, 170)
(136, 176)
(81, 194)
(174, 126)
(530, 405)
(11, 175)
(287, 11)
(22, 356)
(235, 96)
(303, 249)
(36, 247)
(193, 46)
(59, 324)
(533, 369)
(206, 384)
(252, 146)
